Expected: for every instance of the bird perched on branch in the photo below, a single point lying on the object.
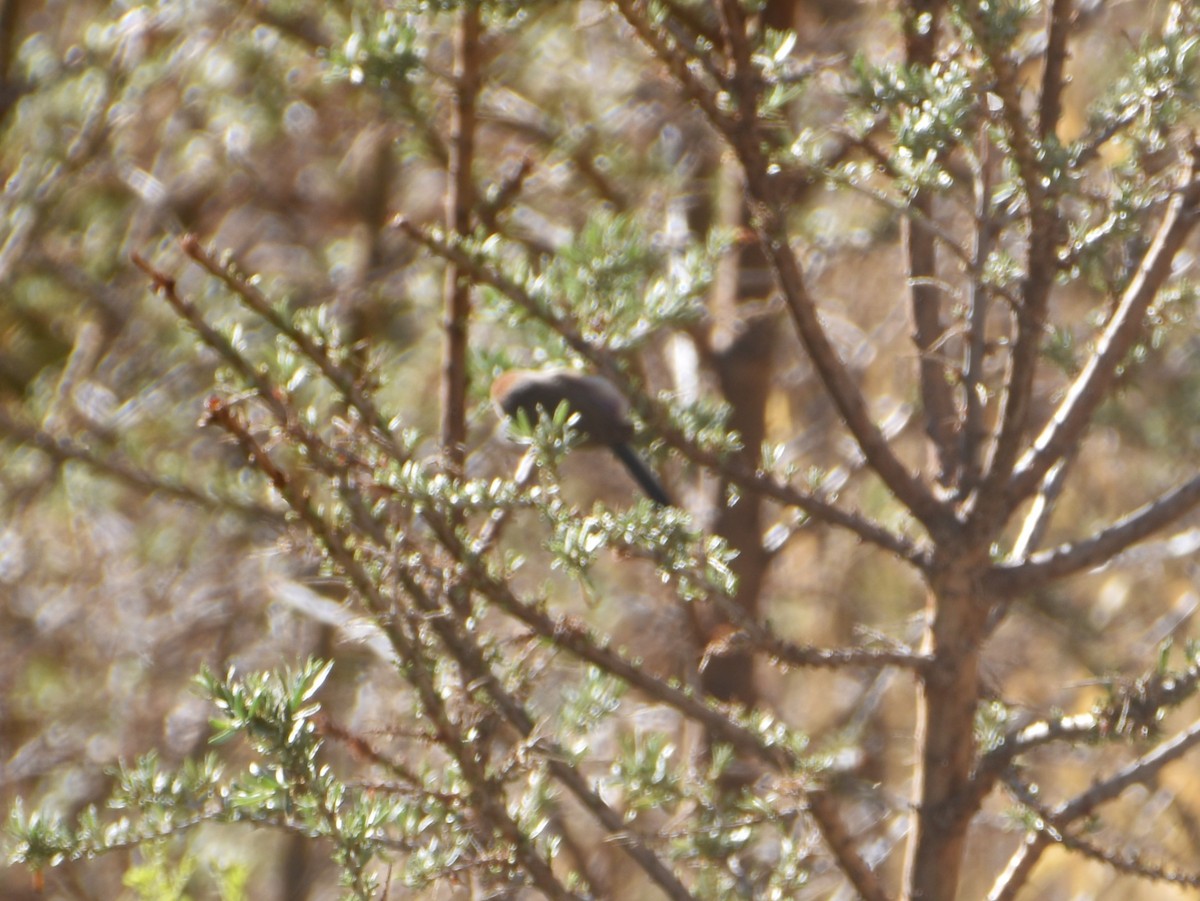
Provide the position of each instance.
(603, 413)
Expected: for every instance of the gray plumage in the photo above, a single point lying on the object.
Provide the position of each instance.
(603, 413)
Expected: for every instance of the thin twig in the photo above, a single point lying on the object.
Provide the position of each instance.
(899, 204)
(340, 547)
(327, 460)
(574, 636)
(995, 762)
(1037, 521)
(492, 529)
(790, 654)
(576, 146)
(459, 641)
(504, 193)
(677, 62)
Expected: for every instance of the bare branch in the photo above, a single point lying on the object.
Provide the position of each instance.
(1098, 375)
(928, 330)
(460, 201)
(790, 654)
(974, 426)
(1145, 768)
(906, 486)
(996, 762)
(995, 499)
(1061, 16)
(1037, 521)
(1139, 771)
(920, 40)
(1101, 547)
(505, 192)
(1131, 863)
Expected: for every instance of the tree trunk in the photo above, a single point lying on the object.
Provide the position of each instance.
(945, 740)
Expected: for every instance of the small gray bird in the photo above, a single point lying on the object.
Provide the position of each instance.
(603, 413)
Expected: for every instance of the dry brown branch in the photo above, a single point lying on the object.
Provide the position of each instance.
(789, 654)
(313, 349)
(165, 286)
(449, 620)
(677, 62)
(577, 639)
(580, 149)
(329, 461)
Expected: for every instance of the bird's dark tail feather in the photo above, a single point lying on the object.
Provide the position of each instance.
(645, 477)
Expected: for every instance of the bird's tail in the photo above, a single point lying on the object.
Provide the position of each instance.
(644, 475)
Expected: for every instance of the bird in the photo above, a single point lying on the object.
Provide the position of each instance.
(603, 414)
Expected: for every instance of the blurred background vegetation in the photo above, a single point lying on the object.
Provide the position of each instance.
(137, 545)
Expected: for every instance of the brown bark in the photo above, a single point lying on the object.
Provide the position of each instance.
(926, 300)
(744, 371)
(946, 699)
(460, 201)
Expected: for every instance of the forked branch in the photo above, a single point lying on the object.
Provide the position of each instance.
(1099, 374)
